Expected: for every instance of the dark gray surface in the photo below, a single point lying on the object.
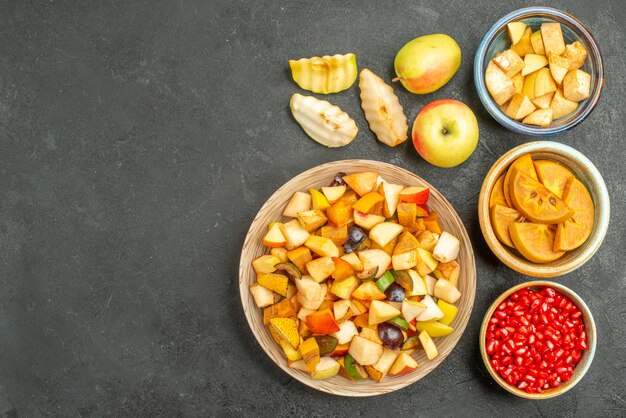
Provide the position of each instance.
(137, 141)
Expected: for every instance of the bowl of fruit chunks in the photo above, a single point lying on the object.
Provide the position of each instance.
(543, 209)
(538, 339)
(539, 71)
(357, 278)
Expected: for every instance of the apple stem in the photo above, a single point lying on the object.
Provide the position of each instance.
(444, 131)
(393, 80)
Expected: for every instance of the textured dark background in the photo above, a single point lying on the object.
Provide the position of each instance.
(137, 141)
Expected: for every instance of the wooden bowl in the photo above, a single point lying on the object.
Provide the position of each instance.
(322, 176)
(585, 360)
(585, 171)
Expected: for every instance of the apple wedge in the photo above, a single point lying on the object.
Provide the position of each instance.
(446, 291)
(430, 282)
(518, 82)
(520, 106)
(561, 106)
(315, 303)
(540, 117)
(299, 202)
(274, 238)
(383, 233)
(576, 53)
(391, 193)
(367, 291)
(500, 87)
(415, 194)
(544, 83)
(411, 309)
(432, 311)
(354, 261)
(364, 351)
(403, 364)
(381, 312)
(419, 285)
(265, 264)
(537, 42)
(366, 203)
(429, 345)
(543, 102)
(533, 62)
(552, 37)
(343, 289)
(308, 288)
(559, 66)
(294, 234)
(426, 263)
(515, 31)
(380, 369)
(321, 268)
(405, 260)
(325, 369)
(447, 248)
(524, 46)
(362, 182)
(375, 259)
(333, 193)
(318, 200)
(576, 85)
(367, 221)
(340, 308)
(262, 296)
(528, 89)
(347, 330)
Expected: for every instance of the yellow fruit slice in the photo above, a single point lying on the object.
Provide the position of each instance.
(573, 232)
(327, 74)
(552, 175)
(526, 166)
(534, 241)
(501, 217)
(533, 200)
(497, 193)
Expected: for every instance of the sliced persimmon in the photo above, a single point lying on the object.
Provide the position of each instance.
(552, 175)
(573, 232)
(533, 200)
(501, 217)
(526, 166)
(497, 193)
(534, 241)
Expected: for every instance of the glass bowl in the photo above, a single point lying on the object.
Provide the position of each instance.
(496, 40)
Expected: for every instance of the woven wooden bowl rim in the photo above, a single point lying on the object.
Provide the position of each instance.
(321, 176)
(582, 366)
(585, 171)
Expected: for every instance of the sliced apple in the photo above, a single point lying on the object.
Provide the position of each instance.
(544, 83)
(265, 264)
(343, 288)
(383, 233)
(325, 369)
(533, 62)
(321, 246)
(380, 369)
(552, 37)
(576, 85)
(333, 193)
(576, 53)
(362, 182)
(375, 259)
(299, 202)
(391, 193)
(311, 219)
(403, 364)
(411, 309)
(426, 263)
(540, 117)
(500, 87)
(294, 234)
(529, 85)
(381, 312)
(367, 221)
(405, 260)
(340, 308)
(347, 330)
(518, 82)
(419, 285)
(432, 311)
(447, 248)
(415, 194)
(262, 296)
(367, 291)
(509, 62)
(524, 46)
(321, 268)
(354, 261)
(308, 288)
(313, 304)
(446, 291)
(318, 200)
(364, 351)
(515, 31)
(537, 42)
(429, 345)
(559, 66)
(543, 102)
(561, 106)
(430, 282)
(519, 107)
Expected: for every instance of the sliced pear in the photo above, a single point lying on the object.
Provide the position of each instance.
(533, 62)
(540, 117)
(382, 109)
(529, 85)
(552, 37)
(327, 74)
(326, 123)
(576, 85)
(537, 43)
(515, 31)
(559, 66)
(543, 102)
(519, 107)
(498, 84)
(576, 53)
(524, 46)
(544, 83)
(562, 106)
(518, 82)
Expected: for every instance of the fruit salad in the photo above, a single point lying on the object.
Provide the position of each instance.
(541, 209)
(538, 79)
(359, 275)
(535, 339)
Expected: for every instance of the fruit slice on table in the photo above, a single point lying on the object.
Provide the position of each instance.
(573, 232)
(382, 109)
(525, 165)
(327, 74)
(497, 193)
(533, 200)
(552, 175)
(534, 241)
(323, 121)
(501, 217)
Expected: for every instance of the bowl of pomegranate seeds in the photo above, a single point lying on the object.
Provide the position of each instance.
(538, 339)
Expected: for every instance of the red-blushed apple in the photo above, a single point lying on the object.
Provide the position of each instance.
(445, 132)
(415, 194)
(427, 63)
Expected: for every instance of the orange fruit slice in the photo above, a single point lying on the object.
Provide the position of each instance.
(552, 175)
(501, 217)
(497, 193)
(534, 241)
(535, 201)
(573, 232)
(526, 166)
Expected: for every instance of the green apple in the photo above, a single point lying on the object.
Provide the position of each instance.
(427, 63)
(445, 132)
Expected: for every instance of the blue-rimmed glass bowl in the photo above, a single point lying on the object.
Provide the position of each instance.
(496, 40)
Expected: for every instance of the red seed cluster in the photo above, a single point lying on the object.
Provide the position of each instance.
(535, 338)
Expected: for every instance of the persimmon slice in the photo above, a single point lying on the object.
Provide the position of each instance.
(501, 217)
(534, 241)
(497, 193)
(526, 166)
(535, 201)
(573, 232)
(552, 175)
